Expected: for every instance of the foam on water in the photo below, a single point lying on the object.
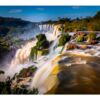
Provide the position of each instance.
(45, 64)
(44, 70)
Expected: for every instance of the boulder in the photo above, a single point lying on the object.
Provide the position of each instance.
(71, 46)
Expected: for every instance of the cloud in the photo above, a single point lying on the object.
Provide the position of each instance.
(75, 7)
(40, 9)
(15, 11)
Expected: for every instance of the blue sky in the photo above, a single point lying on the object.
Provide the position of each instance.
(42, 13)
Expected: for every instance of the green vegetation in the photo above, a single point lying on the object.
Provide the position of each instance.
(62, 29)
(33, 54)
(91, 36)
(4, 47)
(5, 87)
(79, 24)
(80, 38)
(42, 41)
(41, 37)
(23, 90)
(18, 42)
(43, 52)
(41, 45)
(26, 72)
(63, 39)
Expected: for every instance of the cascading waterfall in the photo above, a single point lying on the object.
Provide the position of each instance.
(23, 54)
(56, 30)
(46, 28)
(42, 74)
(45, 64)
(44, 71)
(21, 58)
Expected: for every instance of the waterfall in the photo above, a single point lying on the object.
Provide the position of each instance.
(21, 59)
(23, 54)
(45, 65)
(28, 32)
(44, 70)
(46, 28)
(53, 32)
(56, 31)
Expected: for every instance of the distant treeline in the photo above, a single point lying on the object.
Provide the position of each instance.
(79, 24)
(8, 25)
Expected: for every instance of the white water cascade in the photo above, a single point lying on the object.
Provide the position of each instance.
(45, 66)
(23, 54)
(43, 72)
(21, 59)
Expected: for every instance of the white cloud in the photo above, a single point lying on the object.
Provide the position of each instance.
(15, 11)
(40, 9)
(75, 7)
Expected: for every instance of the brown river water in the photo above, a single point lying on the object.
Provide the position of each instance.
(78, 78)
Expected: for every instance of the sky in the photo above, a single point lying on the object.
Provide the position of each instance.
(43, 13)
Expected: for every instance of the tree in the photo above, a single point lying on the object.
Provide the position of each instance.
(97, 15)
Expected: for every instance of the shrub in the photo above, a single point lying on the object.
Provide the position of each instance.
(27, 72)
(4, 46)
(42, 44)
(42, 41)
(5, 88)
(41, 37)
(23, 90)
(63, 39)
(80, 38)
(91, 36)
(43, 52)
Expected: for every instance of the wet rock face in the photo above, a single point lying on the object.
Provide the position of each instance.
(71, 46)
(24, 77)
